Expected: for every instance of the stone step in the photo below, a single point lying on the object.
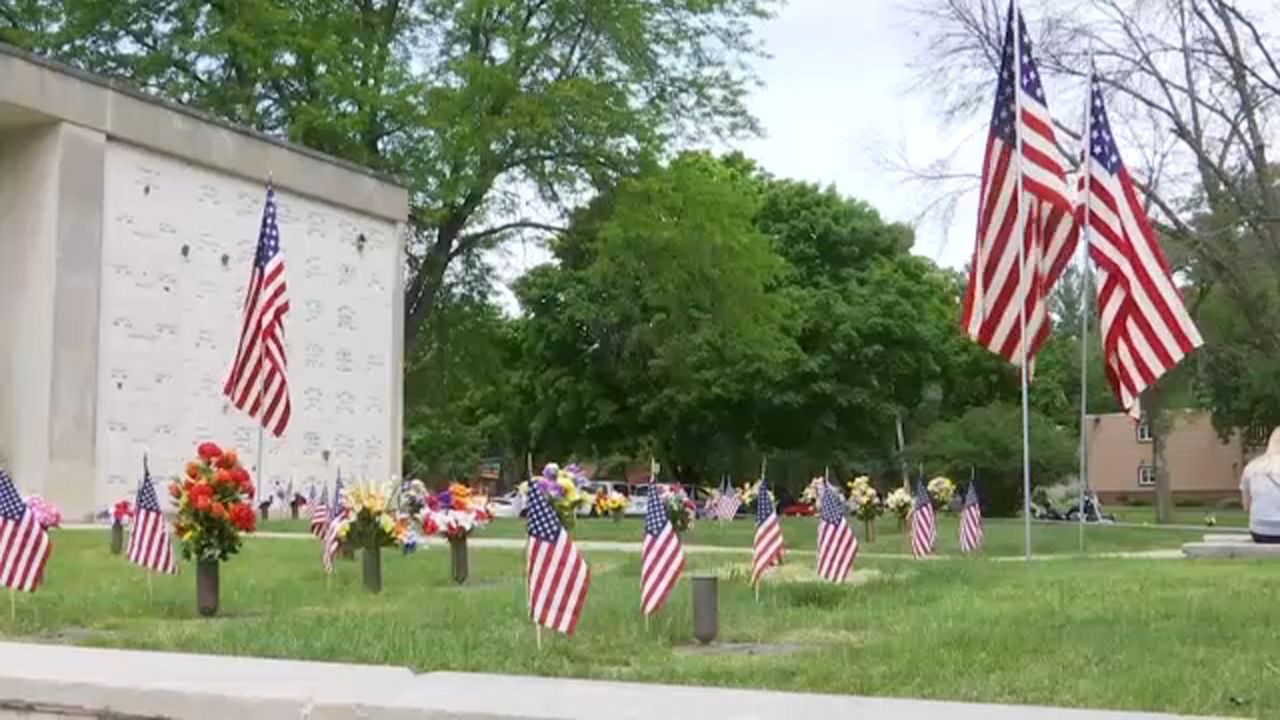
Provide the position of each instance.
(1230, 550)
(1227, 538)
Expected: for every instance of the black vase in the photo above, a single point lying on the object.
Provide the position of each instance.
(207, 587)
(293, 511)
(459, 562)
(373, 569)
(117, 537)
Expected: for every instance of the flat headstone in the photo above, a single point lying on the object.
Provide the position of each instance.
(1227, 538)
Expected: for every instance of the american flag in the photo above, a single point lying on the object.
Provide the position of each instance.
(258, 382)
(661, 556)
(924, 528)
(331, 541)
(837, 546)
(1146, 329)
(24, 544)
(768, 548)
(149, 543)
(558, 576)
(995, 297)
(319, 511)
(971, 522)
(726, 503)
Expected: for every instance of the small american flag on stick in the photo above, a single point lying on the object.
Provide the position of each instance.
(150, 546)
(258, 382)
(331, 541)
(837, 546)
(558, 576)
(768, 544)
(924, 528)
(24, 543)
(726, 503)
(661, 556)
(319, 511)
(971, 522)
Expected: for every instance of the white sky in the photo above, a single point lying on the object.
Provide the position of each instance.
(835, 105)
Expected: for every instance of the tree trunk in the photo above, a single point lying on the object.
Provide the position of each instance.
(1159, 423)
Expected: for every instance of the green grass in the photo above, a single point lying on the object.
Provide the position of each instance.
(1003, 536)
(1167, 635)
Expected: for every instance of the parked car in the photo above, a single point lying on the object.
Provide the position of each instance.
(797, 510)
(590, 489)
(508, 505)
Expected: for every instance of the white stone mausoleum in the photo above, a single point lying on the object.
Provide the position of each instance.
(127, 228)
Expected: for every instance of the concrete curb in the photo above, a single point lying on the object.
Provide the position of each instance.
(41, 681)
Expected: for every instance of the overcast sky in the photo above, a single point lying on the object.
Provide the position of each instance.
(835, 104)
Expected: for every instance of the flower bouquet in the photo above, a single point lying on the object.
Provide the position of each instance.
(864, 500)
(45, 512)
(369, 519)
(750, 492)
(899, 503)
(455, 513)
(680, 509)
(610, 504)
(214, 509)
(561, 486)
(813, 492)
(941, 490)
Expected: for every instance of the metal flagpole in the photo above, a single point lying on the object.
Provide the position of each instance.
(262, 380)
(1085, 296)
(1021, 233)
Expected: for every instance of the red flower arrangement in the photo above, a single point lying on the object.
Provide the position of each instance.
(122, 511)
(214, 501)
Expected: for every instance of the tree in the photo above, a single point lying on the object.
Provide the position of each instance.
(655, 329)
(988, 441)
(477, 104)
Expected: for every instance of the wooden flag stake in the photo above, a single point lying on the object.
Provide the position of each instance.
(537, 634)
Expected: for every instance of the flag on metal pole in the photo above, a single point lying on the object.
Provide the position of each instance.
(558, 576)
(1145, 326)
(768, 542)
(24, 543)
(971, 534)
(924, 527)
(726, 502)
(258, 382)
(661, 555)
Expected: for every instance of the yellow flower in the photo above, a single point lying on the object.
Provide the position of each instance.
(388, 523)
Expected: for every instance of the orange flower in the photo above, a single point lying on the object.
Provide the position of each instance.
(193, 470)
(175, 490)
(203, 502)
(223, 477)
(228, 460)
(219, 510)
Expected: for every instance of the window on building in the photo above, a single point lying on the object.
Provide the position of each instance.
(1146, 476)
(1144, 431)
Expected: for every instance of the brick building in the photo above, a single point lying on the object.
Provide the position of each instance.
(1202, 467)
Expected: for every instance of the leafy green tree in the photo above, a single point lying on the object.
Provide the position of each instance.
(987, 441)
(469, 101)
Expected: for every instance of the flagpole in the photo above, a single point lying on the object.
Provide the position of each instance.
(262, 386)
(1085, 295)
(1021, 233)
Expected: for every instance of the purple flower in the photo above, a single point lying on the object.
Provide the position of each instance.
(551, 488)
(445, 498)
(551, 471)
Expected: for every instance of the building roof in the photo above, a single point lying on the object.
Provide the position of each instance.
(36, 89)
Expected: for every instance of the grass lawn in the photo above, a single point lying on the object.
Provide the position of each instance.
(1193, 637)
(1004, 536)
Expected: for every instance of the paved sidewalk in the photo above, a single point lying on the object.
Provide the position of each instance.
(45, 681)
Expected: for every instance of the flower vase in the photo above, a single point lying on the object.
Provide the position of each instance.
(459, 562)
(902, 523)
(293, 511)
(617, 517)
(262, 512)
(346, 552)
(869, 526)
(207, 587)
(373, 569)
(117, 537)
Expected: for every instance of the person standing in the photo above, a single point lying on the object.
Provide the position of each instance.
(1260, 493)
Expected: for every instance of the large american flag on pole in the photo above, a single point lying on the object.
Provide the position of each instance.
(999, 288)
(924, 527)
(558, 575)
(24, 543)
(661, 556)
(768, 543)
(837, 546)
(149, 543)
(1146, 329)
(258, 382)
(971, 522)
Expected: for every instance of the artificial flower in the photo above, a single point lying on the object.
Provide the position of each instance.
(208, 451)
